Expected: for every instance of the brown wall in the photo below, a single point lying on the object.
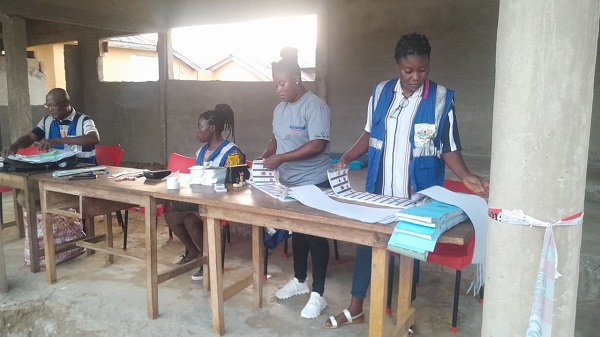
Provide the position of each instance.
(462, 36)
(127, 113)
(361, 39)
(252, 103)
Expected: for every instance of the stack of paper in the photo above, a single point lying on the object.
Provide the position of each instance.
(341, 188)
(419, 228)
(208, 175)
(51, 156)
(264, 179)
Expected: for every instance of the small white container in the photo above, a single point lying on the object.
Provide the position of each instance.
(173, 183)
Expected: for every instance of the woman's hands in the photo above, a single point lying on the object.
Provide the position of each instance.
(273, 162)
(477, 184)
(344, 161)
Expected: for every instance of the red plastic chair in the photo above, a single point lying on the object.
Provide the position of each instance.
(446, 254)
(110, 155)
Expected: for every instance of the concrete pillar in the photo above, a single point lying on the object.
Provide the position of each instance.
(321, 50)
(164, 49)
(546, 54)
(89, 46)
(15, 48)
(3, 283)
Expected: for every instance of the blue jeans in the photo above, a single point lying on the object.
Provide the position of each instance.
(361, 279)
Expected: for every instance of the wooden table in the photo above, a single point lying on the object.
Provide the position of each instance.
(21, 181)
(250, 206)
(102, 196)
(246, 205)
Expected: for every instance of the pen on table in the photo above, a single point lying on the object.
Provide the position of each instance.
(82, 177)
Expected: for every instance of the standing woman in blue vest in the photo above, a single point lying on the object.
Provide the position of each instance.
(183, 217)
(410, 135)
(62, 128)
(299, 150)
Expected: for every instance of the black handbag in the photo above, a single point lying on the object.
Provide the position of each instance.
(14, 165)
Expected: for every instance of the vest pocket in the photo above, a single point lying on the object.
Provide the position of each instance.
(425, 172)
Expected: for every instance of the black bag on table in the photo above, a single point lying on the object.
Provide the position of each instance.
(13, 165)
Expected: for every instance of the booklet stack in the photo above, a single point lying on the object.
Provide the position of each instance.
(207, 175)
(265, 180)
(419, 228)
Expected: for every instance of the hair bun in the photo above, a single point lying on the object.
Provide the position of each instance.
(289, 53)
(223, 108)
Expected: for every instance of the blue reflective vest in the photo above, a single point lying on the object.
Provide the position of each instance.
(52, 129)
(426, 167)
(219, 156)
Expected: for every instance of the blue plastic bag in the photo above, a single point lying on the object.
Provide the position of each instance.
(272, 239)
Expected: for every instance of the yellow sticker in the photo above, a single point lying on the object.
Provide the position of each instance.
(234, 159)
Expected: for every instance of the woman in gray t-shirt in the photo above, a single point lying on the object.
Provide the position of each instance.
(299, 150)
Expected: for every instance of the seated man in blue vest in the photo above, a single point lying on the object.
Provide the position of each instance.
(63, 128)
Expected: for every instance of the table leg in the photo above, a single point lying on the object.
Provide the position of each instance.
(205, 252)
(34, 249)
(18, 215)
(48, 238)
(151, 259)
(109, 237)
(379, 279)
(405, 312)
(90, 232)
(258, 251)
(216, 277)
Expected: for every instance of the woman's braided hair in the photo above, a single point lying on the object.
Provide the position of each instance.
(412, 45)
(222, 118)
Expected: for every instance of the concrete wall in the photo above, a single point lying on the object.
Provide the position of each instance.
(252, 103)
(594, 152)
(37, 94)
(127, 113)
(361, 39)
(462, 35)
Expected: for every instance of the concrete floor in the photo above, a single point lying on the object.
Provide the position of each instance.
(95, 299)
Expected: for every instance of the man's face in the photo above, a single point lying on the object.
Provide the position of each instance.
(58, 106)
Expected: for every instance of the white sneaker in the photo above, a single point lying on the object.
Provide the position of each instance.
(293, 288)
(314, 307)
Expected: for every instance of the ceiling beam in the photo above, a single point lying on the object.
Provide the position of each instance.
(135, 16)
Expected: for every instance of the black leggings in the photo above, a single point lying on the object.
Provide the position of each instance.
(319, 254)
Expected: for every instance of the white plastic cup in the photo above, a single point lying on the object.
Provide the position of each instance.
(173, 183)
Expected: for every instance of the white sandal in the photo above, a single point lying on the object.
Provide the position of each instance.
(349, 320)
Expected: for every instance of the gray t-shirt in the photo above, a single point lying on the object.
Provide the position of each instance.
(295, 124)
